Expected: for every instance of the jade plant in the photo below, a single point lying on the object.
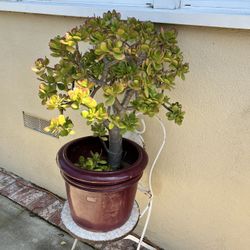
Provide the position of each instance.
(134, 64)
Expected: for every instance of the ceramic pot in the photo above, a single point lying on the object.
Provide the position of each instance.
(101, 201)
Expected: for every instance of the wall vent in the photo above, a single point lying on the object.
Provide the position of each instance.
(36, 123)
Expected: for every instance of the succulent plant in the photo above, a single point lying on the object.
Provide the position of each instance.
(133, 63)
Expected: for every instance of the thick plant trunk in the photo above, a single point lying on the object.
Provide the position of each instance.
(115, 148)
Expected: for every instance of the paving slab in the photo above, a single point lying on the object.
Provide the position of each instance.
(21, 230)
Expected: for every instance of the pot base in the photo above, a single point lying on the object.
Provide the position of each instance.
(91, 236)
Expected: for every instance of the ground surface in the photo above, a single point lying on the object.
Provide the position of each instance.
(21, 230)
(30, 219)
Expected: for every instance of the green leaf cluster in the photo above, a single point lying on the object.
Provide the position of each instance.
(95, 162)
(60, 126)
(175, 113)
(127, 123)
(112, 91)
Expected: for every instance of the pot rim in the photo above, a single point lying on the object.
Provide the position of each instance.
(104, 177)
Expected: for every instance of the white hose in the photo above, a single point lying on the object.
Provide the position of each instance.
(150, 204)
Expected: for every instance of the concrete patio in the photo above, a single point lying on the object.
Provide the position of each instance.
(21, 230)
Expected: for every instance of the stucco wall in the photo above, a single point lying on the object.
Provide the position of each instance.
(202, 180)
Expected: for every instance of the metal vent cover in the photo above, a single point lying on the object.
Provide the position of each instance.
(37, 124)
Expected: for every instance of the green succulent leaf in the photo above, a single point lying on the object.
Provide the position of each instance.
(118, 56)
(110, 101)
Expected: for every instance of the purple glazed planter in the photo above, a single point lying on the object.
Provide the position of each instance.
(101, 201)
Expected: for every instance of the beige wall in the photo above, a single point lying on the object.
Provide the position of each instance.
(202, 180)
